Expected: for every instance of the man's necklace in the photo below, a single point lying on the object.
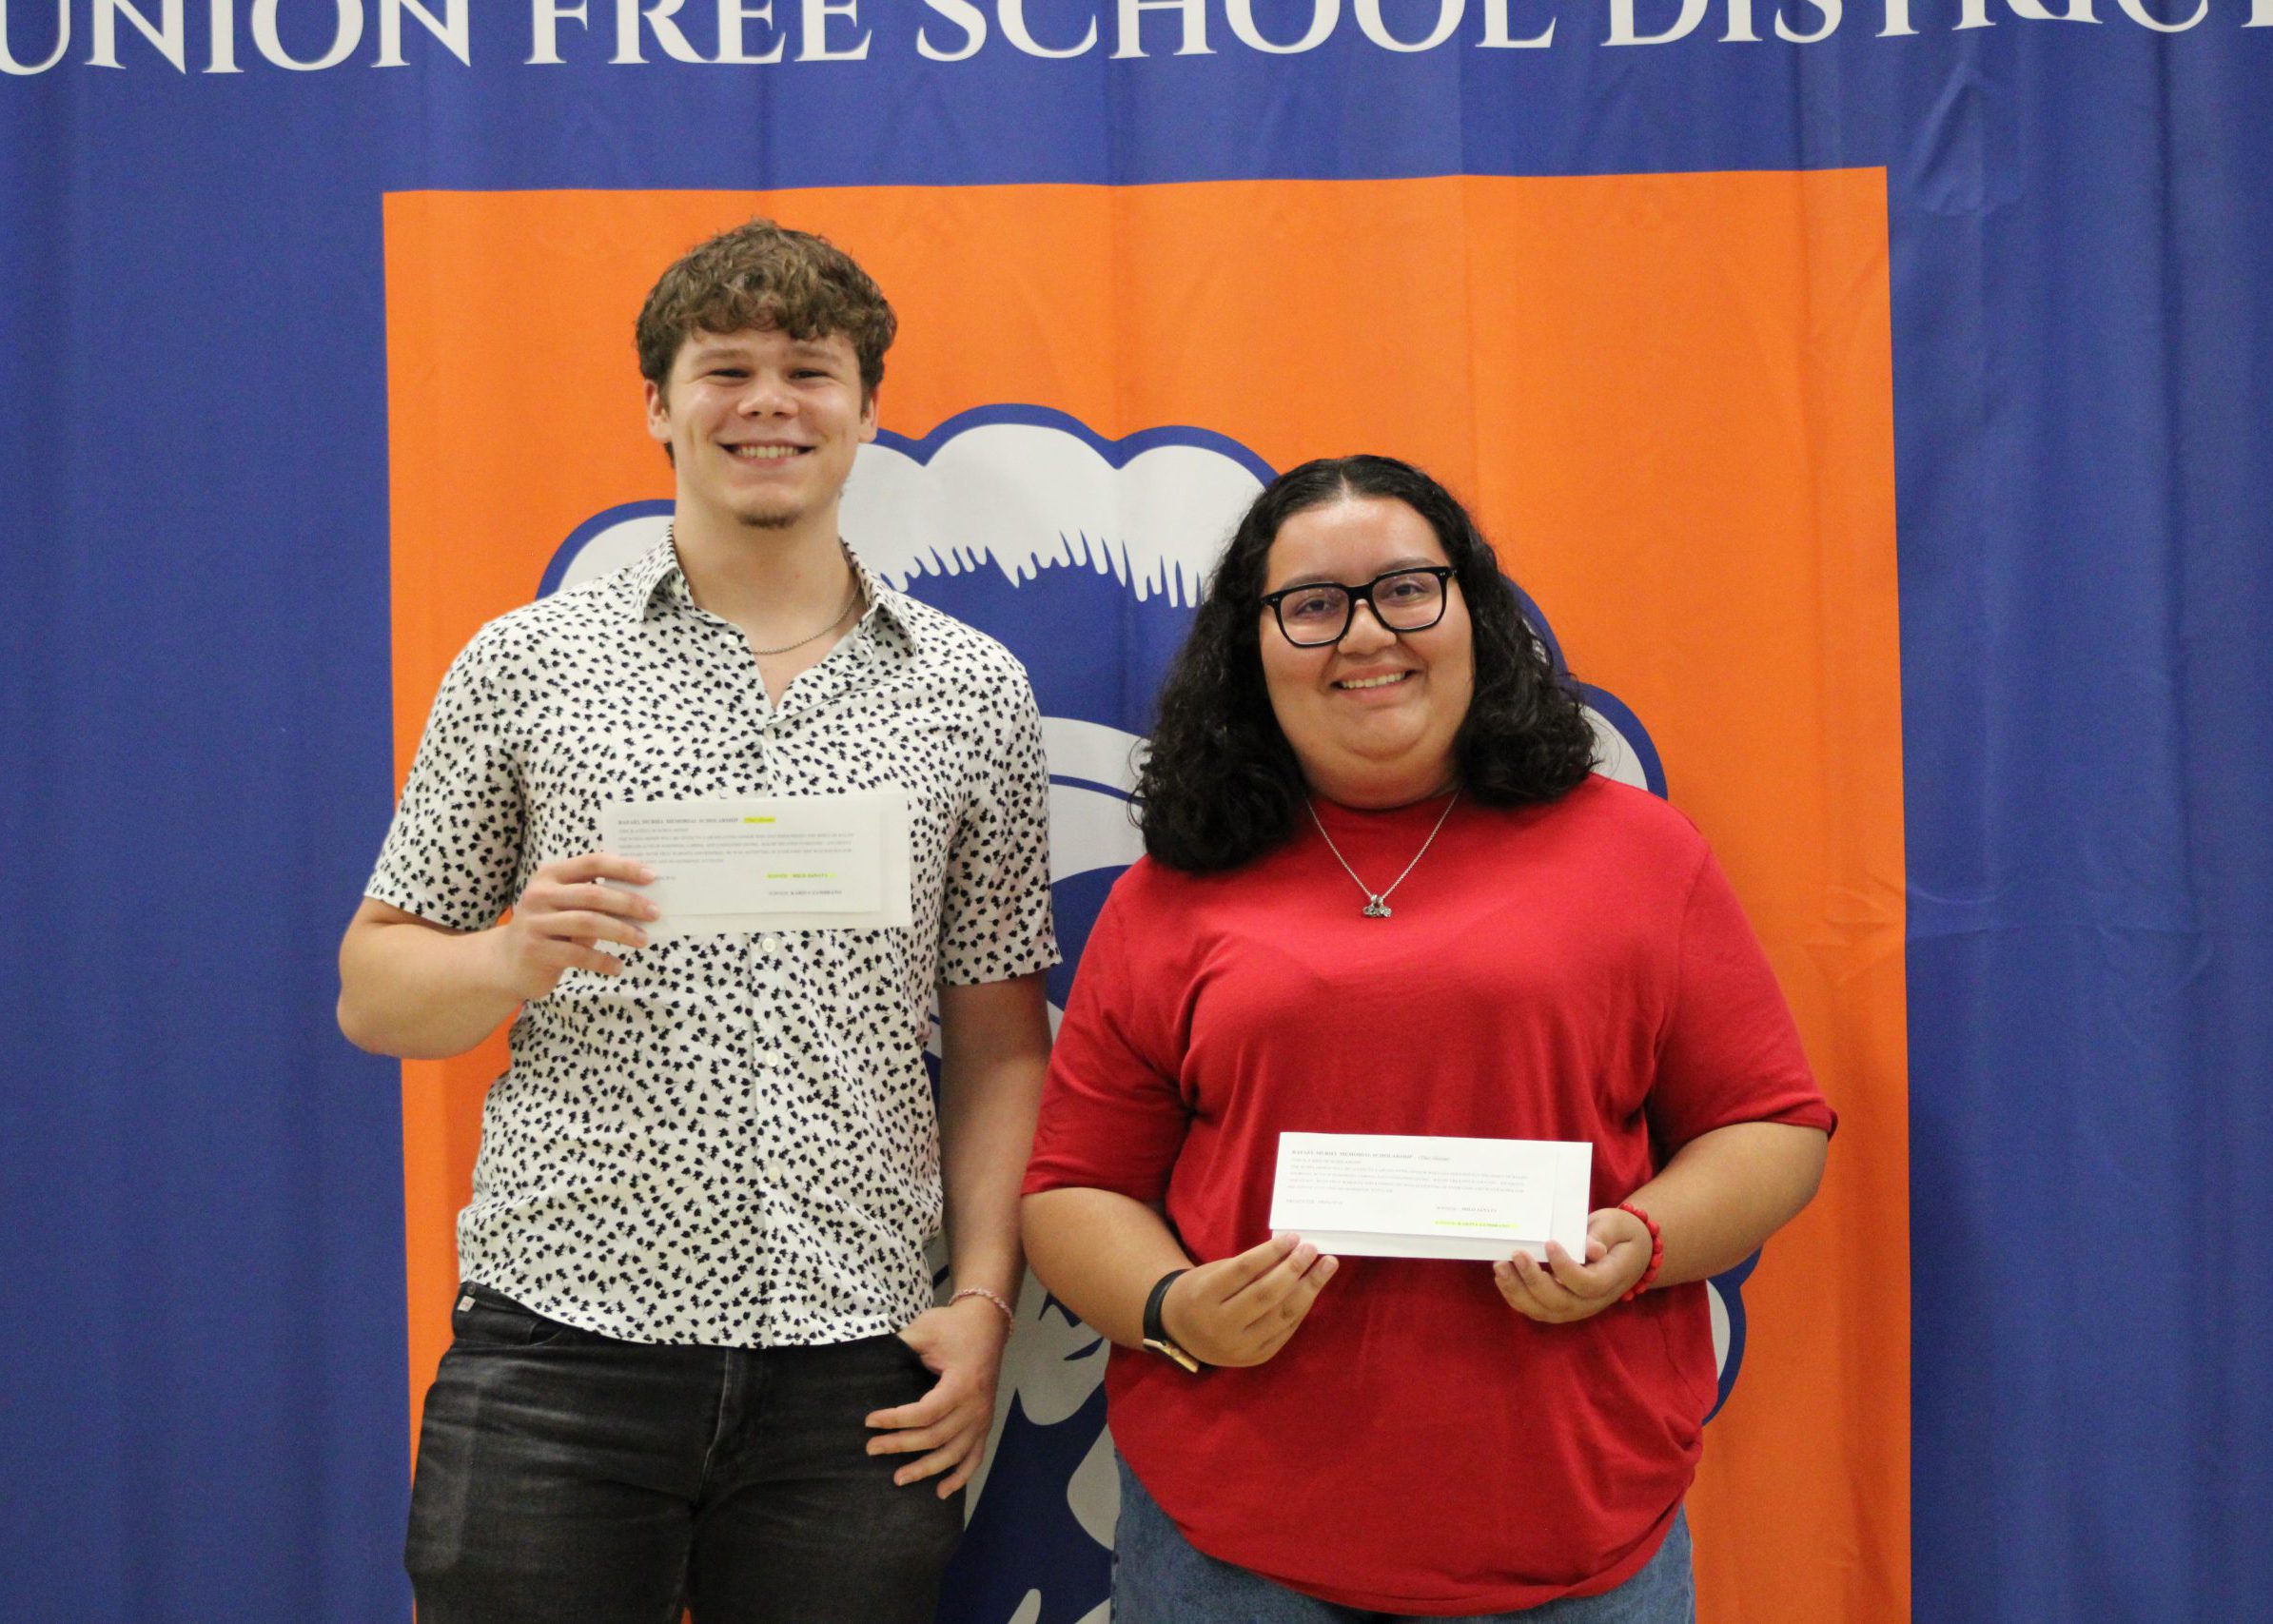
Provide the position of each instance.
(835, 621)
(1377, 902)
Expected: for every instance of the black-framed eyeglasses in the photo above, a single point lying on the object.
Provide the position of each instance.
(1318, 613)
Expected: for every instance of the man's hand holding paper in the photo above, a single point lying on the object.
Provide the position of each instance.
(566, 918)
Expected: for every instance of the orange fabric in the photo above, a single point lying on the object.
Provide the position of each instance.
(1669, 397)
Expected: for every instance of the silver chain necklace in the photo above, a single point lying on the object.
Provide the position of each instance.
(835, 621)
(1377, 902)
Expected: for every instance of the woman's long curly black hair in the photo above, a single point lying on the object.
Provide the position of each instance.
(1221, 784)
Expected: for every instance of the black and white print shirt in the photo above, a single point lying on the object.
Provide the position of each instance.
(733, 1143)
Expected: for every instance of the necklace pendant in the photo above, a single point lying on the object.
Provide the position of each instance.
(1377, 902)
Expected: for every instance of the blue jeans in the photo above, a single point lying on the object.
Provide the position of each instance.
(1159, 1578)
(567, 1477)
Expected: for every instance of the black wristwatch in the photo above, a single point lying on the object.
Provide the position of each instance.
(1156, 1334)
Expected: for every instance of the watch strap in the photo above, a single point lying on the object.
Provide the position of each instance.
(1156, 1331)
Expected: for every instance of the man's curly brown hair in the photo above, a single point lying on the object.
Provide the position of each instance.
(767, 276)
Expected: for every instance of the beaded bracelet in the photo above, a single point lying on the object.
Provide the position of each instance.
(1657, 1252)
(1010, 1315)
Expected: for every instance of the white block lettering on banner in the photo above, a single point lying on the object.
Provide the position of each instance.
(1012, 14)
(9, 63)
(1496, 34)
(1370, 21)
(347, 34)
(1622, 30)
(964, 15)
(1195, 26)
(733, 47)
(629, 15)
(545, 17)
(1241, 15)
(165, 33)
(2136, 11)
(1831, 20)
(816, 46)
(222, 18)
(454, 27)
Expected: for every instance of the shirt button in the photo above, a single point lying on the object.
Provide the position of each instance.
(777, 1172)
(770, 942)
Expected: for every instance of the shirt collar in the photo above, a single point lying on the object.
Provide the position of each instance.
(655, 583)
(886, 609)
(654, 578)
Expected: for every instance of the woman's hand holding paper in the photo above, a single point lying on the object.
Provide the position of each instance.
(1241, 1309)
(1562, 1289)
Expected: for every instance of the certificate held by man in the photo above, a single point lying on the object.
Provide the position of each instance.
(769, 862)
(1386, 1195)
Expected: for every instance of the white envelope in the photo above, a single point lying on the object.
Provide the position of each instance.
(770, 862)
(1386, 1195)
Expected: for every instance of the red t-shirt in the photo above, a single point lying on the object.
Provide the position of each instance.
(1576, 971)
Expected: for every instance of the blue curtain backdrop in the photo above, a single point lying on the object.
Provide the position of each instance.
(203, 1200)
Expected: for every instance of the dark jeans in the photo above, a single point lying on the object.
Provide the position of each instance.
(564, 1477)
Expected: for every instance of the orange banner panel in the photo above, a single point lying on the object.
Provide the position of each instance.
(1667, 398)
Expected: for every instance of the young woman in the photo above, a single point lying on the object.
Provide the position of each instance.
(1385, 893)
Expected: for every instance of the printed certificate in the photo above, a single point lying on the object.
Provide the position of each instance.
(769, 862)
(1385, 1195)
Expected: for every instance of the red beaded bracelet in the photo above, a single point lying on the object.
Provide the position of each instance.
(1657, 1252)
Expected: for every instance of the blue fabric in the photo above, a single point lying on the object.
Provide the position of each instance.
(195, 710)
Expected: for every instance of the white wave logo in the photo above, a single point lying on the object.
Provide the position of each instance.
(1021, 496)
(1023, 523)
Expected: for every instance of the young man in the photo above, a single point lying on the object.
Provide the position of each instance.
(696, 1354)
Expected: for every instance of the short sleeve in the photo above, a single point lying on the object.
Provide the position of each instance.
(454, 851)
(1730, 1052)
(995, 919)
(1112, 1117)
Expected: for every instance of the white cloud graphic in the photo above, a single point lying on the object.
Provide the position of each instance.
(1018, 496)
(613, 547)
(1022, 496)
(1614, 756)
(1091, 828)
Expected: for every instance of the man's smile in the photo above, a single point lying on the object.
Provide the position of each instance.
(768, 453)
